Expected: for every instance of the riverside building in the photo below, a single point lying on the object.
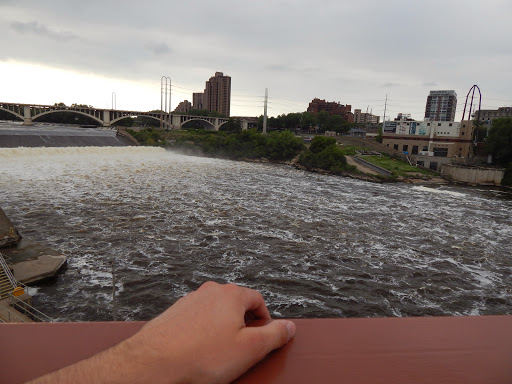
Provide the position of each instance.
(430, 143)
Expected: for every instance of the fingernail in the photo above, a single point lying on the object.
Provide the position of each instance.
(290, 329)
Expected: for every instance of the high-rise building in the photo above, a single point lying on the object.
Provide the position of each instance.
(197, 100)
(217, 94)
(441, 106)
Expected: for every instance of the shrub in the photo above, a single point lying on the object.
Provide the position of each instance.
(507, 177)
(324, 154)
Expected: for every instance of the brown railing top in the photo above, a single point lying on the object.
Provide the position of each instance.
(384, 350)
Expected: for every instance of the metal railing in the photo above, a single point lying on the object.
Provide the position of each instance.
(28, 310)
(8, 273)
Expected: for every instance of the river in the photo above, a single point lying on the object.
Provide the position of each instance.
(314, 245)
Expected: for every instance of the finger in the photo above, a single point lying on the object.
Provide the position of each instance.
(254, 304)
(261, 340)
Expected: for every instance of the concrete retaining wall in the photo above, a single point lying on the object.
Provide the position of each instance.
(473, 175)
(376, 168)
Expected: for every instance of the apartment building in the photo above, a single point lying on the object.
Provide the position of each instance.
(197, 100)
(332, 108)
(365, 118)
(441, 106)
(488, 115)
(185, 106)
(217, 94)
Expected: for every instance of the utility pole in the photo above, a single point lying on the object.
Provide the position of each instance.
(165, 89)
(265, 112)
(384, 119)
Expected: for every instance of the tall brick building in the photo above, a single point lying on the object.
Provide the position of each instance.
(217, 94)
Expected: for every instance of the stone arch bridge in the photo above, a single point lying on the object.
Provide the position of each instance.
(107, 117)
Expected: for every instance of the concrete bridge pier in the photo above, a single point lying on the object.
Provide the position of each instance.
(27, 116)
(106, 118)
(175, 122)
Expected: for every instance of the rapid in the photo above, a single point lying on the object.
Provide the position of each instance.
(314, 245)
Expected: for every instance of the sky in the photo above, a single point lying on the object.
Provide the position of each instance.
(360, 53)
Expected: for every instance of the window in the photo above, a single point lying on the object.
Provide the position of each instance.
(395, 147)
(414, 149)
(425, 148)
(441, 152)
(433, 165)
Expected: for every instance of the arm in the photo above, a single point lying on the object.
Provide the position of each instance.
(202, 338)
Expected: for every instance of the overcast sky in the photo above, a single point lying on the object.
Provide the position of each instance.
(355, 52)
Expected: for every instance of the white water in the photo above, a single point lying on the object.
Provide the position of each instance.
(314, 245)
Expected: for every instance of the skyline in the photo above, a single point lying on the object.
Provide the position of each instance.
(354, 54)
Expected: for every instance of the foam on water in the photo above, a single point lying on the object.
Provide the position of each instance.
(314, 245)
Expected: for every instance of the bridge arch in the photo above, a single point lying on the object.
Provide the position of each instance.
(68, 111)
(12, 113)
(206, 123)
(132, 115)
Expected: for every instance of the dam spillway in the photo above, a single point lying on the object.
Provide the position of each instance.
(15, 135)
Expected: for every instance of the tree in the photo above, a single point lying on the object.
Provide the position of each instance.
(379, 136)
(324, 154)
(232, 126)
(307, 120)
(319, 143)
(499, 141)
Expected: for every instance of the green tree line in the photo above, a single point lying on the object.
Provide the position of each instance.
(498, 143)
(307, 122)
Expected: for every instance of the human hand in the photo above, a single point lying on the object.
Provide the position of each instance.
(204, 338)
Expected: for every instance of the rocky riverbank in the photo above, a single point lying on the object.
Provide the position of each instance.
(30, 262)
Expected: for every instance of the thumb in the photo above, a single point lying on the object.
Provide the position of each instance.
(266, 338)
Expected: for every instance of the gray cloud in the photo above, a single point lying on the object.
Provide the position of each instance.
(35, 28)
(159, 49)
(297, 51)
(390, 85)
